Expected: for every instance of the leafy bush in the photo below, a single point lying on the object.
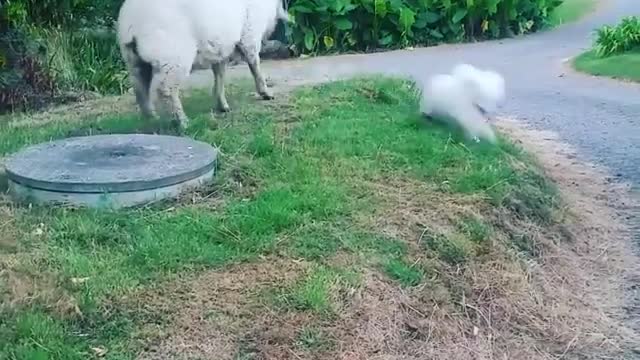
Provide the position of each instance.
(51, 46)
(339, 25)
(86, 60)
(620, 38)
(66, 13)
(24, 81)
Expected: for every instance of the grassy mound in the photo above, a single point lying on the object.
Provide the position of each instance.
(625, 66)
(341, 225)
(570, 11)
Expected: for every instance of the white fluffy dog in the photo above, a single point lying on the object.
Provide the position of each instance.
(465, 96)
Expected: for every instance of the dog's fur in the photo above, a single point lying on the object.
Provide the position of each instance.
(465, 97)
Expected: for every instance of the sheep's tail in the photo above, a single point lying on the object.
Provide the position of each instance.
(141, 70)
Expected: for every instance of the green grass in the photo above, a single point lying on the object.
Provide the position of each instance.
(314, 340)
(34, 335)
(84, 61)
(294, 178)
(455, 250)
(475, 229)
(570, 11)
(624, 66)
(406, 274)
(316, 292)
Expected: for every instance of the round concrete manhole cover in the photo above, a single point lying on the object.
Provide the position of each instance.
(125, 169)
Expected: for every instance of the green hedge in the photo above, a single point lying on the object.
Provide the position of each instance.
(340, 25)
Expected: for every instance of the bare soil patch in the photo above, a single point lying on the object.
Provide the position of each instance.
(211, 313)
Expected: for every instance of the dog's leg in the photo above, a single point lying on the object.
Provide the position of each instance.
(473, 122)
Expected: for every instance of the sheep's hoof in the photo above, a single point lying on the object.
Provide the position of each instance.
(148, 115)
(222, 109)
(180, 126)
(267, 96)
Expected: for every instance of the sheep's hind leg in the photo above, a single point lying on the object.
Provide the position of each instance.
(145, 103)
(166, 83)
(219, 71)
(141, 91)
(141, 74)
(252, 57)
(146, 107)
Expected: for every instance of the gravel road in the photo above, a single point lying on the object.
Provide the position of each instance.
(599, 116)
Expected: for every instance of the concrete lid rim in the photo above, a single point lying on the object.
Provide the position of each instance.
(207, 163)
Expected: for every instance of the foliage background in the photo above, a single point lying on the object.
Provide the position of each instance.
(50, 49)
(623, 37)
(330, 25)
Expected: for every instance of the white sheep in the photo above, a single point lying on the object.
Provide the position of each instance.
(163, 41)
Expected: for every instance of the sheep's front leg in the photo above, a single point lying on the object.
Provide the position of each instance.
(219, 71)
(166, 83)
(252, 57)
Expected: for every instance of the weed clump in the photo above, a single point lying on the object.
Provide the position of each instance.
(406, 274)
(453, 249)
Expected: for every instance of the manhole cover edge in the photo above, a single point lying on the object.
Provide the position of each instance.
(206, 154)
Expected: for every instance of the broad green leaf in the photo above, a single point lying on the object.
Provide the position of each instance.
(396, 5)
(343, 24)
(492, 6)
(386, 40)
(420, 23)
(351, 40)
(431, 17)
(328, 42)
(436, 34)
(459, 15)
(350, 7)
(309, 40)
(381, 8)
(407, 18)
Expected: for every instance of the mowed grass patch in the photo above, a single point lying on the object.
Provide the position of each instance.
(625, 66)
(570, 11)
(294, 175)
